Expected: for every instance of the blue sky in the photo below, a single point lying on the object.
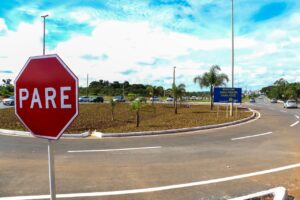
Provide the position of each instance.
(141, 40)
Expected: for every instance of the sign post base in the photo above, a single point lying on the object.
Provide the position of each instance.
(51, 170)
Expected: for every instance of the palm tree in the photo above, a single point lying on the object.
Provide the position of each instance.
(212, 79)
(112, 106)
(137, 106)
(178, 91)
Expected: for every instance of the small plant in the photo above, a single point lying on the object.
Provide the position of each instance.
(113, 106)
(137, 106)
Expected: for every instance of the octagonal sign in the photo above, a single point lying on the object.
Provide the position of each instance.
(46, 96)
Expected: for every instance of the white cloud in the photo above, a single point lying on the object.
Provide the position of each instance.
(3, 26)
(17, 47)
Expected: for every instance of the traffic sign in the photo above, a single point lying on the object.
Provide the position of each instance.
(46, 93)
(227, 95)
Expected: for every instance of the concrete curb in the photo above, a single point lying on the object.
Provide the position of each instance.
(279, 193)
(28, 134)
(172, 131)
(131, 134)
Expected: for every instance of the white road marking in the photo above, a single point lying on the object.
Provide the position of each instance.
(251, 136)
(294, 124)
(156, 189)
(283, 111)
(297, 116)
(107, 150)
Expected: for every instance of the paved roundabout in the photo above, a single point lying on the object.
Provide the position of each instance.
(213, 164)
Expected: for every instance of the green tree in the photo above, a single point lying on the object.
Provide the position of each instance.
(212, 79)
(131, 96)
(137, 106)
(112, 107)
(178, 92)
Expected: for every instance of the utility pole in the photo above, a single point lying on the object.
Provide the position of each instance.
(123, 90)
(174, 68)
(87, 85)
(232, 51)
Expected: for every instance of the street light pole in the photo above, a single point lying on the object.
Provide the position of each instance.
(174, 85)
(232, 52)
(44, 33)
(232, 40)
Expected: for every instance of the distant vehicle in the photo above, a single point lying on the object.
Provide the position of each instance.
(84, 99)
(10, 101)
(155, 98)
(273, 100)
(252, 100)
(97, 99)
(185, 98)
(118, 99)
(290, 104)
(141, 99)
(170, 99)
(193, 98)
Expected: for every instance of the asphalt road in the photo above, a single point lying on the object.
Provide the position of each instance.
(213, 164)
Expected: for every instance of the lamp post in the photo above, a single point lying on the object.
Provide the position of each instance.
(232, 52)
(174, 85)
(232, 41)
(44, 33)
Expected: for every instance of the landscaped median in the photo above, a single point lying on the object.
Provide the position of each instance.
(156, 119)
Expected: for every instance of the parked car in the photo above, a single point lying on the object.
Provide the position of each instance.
(252, 100)
(10, 101)
(170, 99)
(84, 99)
(193, 98)
(97, 99)
(155, 98)
(290, 104)
(141, 99)
(273, 100)
(118, 99)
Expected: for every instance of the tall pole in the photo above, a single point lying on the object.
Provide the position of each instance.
(174, 68)
(123, 90)
(44, 34)
(232, 52)
(51, 167)
(87, 85)
(232, 40)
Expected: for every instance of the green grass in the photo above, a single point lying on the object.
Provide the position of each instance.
(246, 99)
(160, 117)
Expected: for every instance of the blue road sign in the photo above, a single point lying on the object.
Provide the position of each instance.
(227, 95)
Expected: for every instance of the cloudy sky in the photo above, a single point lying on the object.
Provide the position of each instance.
(141, 40)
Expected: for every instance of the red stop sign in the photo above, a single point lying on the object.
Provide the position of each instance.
(46, 96)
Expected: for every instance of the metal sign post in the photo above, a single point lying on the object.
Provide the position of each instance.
(50, 143)
(51, 167)
(56, 99)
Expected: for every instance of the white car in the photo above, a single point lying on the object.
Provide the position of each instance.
(84, 99)
(170, 99)
(193, 98)
(290, 104)
(155, 98)
(10, 101)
